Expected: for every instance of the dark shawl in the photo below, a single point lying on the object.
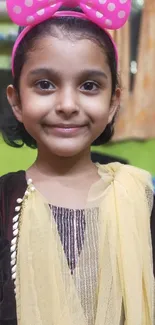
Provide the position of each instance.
(12, 186)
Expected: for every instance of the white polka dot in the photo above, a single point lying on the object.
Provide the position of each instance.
(102, 2)
(54, 4)
(111, 6)
(123, 1)
(88, 7)
(108, 22)
(17, 9)
(99, 14)
(28, 3)
(30, 19)
(41, 12)
(121, 14)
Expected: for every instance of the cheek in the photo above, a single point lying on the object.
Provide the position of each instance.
(99, 109)
(35, 108)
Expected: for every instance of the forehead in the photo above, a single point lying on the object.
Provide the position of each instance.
(66, 55)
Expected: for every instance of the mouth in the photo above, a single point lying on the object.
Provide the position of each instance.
(63, 129)
(67, 126)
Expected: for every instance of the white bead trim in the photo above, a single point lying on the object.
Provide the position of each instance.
(14, 276)
(29, 182)
(15, 219)
(17, 209)
(13, 247)
(19, 200)
(15, 228)
(13, 255)
(14, 268)
(13, 241)
(13, 261)
(15, 232)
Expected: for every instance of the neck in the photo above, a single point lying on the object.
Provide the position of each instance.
(51, 165)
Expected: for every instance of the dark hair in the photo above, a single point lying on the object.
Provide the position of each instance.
(14, 132)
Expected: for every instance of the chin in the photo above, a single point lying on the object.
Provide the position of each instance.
(64, 147)
(66, 154)
(66, 151)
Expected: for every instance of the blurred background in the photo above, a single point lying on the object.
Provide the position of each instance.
(134, 138)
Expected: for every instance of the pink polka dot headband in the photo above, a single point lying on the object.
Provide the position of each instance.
(107, 14)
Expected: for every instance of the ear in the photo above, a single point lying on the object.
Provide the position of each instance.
(14, 101)
(115, 104)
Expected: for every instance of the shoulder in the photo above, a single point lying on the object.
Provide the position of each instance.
(135, 182)
(11, 178)
(12, 174)
(120, 170)
(12, 186)
(11, 183)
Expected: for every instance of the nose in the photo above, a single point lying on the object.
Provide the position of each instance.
(67, 103)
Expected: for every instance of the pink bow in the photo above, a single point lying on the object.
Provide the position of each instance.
(108, 14)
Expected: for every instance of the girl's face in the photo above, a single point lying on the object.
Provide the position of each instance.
(65, 95)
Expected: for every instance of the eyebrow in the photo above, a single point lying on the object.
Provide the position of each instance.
(52, 72)
(43, 71)
(95, 73)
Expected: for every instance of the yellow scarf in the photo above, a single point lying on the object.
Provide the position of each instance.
(47, 293)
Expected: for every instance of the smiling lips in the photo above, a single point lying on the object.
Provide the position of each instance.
(64, 129)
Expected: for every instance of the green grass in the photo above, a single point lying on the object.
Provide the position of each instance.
(140, 154)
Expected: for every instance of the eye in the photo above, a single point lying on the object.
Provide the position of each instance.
(90, 86)
(45, 85)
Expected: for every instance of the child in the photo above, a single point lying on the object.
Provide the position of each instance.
(78, 232)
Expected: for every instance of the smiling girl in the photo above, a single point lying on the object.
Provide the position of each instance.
(75, 244)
